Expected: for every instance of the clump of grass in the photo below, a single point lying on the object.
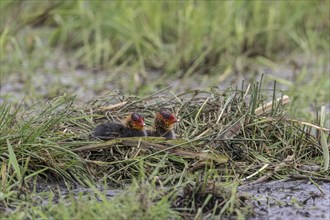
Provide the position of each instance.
(30, 144)
(237, 135)
(210, 199)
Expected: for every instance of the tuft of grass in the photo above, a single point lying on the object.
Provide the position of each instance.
(28, 140)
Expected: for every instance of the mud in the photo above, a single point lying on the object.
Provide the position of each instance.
(294, 199)
(299, 199)
(63, 194)
(290, 199)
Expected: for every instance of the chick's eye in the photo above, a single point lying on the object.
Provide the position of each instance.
(166, 115)
(135, 117)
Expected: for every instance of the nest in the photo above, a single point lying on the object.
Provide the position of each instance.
(235, 135)
(238, 128)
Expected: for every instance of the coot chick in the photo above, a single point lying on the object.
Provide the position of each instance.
(163, 125)
(133, 127)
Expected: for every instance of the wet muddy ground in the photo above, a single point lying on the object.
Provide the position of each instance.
(291, 199)
(299, 199)
(54, 78)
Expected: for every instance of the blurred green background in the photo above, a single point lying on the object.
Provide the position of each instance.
(91, 48)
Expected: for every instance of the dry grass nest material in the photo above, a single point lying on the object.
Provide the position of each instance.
(243, 134)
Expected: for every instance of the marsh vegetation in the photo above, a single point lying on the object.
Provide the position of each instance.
(249, 82)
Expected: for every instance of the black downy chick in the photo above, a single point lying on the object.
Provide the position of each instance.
(163, 125)
(133, 127)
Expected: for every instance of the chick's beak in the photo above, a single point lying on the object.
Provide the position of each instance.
(175, 120)
(142, 122)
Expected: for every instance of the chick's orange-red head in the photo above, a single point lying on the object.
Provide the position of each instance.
(166, 117)
(135, 121)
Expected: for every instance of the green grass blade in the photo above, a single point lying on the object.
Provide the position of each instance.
(13, 161)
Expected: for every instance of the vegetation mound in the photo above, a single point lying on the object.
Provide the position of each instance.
(225, 139)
